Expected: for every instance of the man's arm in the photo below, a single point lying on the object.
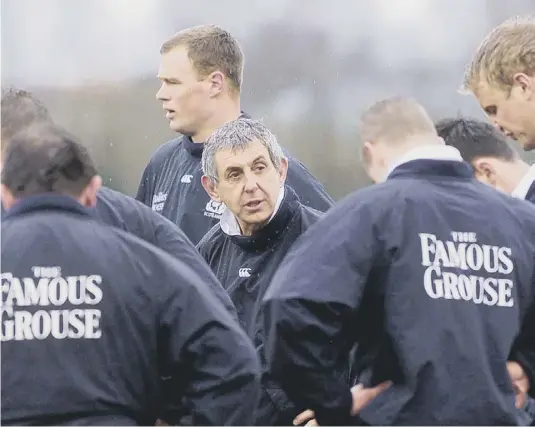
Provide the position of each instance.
(145, 190)
(209, 354)
(309, 190)
(310, 310)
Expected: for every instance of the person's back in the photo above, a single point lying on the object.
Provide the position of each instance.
(82, 281)
(94, 317)
(455, 317)
(432, 278)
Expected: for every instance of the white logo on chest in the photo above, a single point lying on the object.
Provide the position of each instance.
(186, 179)
(214, 209)
(158, 201)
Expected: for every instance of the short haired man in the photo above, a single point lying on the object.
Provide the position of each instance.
(501, 75)
(245, 169)
(495, 162)
(494, 159)
(92, 315)
(437, 298)
(201, 71)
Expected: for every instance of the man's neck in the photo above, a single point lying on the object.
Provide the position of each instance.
(226, 113)
(514, 172)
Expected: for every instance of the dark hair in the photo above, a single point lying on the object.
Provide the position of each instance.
(45, 158)
(20, 109)
(475, 138)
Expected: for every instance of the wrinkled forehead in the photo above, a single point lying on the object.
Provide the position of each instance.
(241, 156)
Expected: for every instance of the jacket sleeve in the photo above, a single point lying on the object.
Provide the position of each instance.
(145, 191)
(310, 310)
(174, 241)
(523, 351)
(309, 190)
(207, 352)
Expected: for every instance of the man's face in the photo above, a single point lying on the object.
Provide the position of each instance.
(249, 184)
(513, 113)
(184, 96)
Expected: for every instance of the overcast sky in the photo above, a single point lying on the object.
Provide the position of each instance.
(65, 42)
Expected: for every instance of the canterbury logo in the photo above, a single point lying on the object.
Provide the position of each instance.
(244, 272)
(186, 179)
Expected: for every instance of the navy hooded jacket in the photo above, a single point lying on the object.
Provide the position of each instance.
(432, 274)
(93, 317)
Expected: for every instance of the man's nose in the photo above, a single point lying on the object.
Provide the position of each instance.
(161, 95)
(251, 182)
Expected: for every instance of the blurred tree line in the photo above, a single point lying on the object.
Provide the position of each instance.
(308, 94)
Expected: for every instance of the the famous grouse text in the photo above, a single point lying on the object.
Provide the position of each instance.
(463, 269)
(49, 305)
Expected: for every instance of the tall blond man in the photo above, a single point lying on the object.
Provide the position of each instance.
(501, 75)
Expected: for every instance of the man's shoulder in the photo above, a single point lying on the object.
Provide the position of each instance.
(211, 240)
(109, 195)
(374, 196)
(167, 150)
(310, 215)
(118, 209)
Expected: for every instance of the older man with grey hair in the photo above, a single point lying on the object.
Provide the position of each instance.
(245, 169)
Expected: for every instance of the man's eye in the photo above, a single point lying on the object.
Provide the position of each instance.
(492, 110)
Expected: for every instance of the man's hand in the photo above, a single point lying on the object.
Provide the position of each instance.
(520, 383)
(306, 417)
(363, 396)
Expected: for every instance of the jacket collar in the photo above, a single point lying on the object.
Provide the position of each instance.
(523, 187)
(272, 232)
(194, 148)
(429, 152)
(47, 202)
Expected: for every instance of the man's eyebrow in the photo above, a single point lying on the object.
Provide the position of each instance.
(167, 79)
(260, 157)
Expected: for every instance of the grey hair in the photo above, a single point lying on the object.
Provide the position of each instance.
(238, 135)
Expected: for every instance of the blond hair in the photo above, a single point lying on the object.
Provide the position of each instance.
(211, 48)
(395, 119)
(508, 49)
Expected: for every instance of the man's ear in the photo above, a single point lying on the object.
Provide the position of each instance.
(217, 83)
(283, 171)
(8, 199)
(365, 153)
(525, 83)
(210, 188)
(484, 171)
(88, 197)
